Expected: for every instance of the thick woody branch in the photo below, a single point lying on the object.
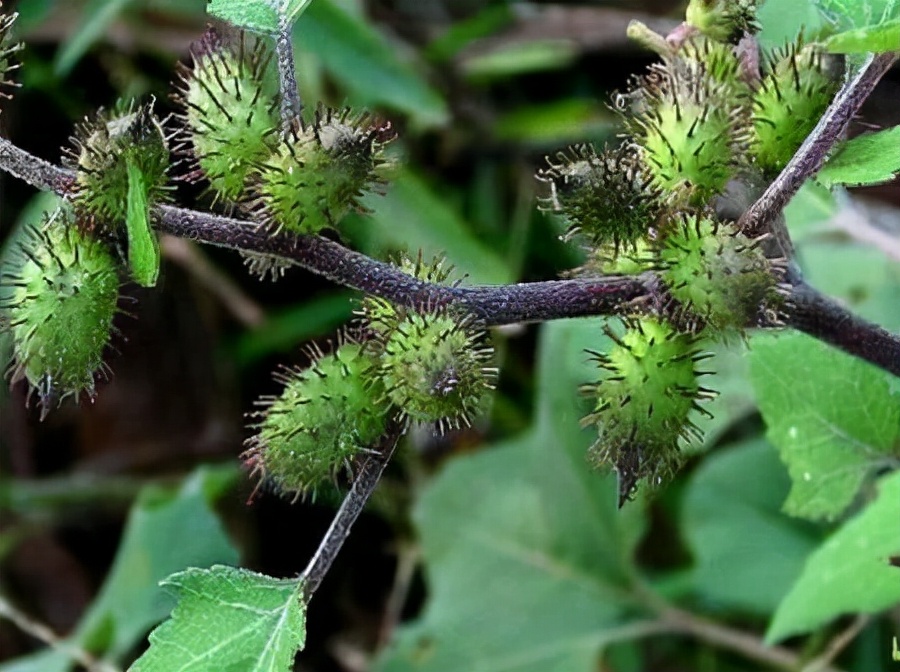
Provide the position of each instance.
(492, 305)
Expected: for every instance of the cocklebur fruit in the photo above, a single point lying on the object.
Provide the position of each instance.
(229, 113)
(799, 84)
(62, 290)
(723, 20)
(643, 402)
(717, 273)
(327, 416)
(121, 162)
(8, 51)
(435, 368)
(318, 171)
(690, 132)
(606, 198)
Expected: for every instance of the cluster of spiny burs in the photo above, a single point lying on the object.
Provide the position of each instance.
(705, 127)
(427, 365)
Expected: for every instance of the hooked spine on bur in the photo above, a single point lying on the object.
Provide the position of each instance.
(62, 290)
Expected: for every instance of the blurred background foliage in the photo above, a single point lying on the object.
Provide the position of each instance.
(102, 500)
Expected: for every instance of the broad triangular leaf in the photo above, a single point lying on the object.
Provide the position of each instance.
(228, 619)
(831, 416)
(849, 573)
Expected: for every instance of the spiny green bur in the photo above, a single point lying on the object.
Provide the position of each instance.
(326, 417)
(644, 401)
(435, 369)
(318, 172)
(229, 114)
(104, 148)
(787, 105)
(722, 20)
(716, 272)
(607, 198)
(687, 138)
(65, 289)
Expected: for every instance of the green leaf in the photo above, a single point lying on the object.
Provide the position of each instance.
(228, 619)
(747, 553)
(846, 14)
(167, 530)
(260, 16)
(517, 58)
(96, 19)
(867, 159)
(366, 64)
(831, 416)
(528, 559)
(876, 39)
(143, 246)
(850, 572)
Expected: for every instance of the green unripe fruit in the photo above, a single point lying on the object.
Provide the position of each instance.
(689, 135)
(229, 113)
(121, 162)
(716, 272)
(603, 261)
(723, 20)
(644, 401)
(105, 149)
(326, 417)
(318, 172)
(791, 98)
(64, 289)
(435, 369)
(607, 198)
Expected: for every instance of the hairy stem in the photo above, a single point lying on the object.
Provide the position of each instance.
(291, 105)
(363, 486)
(814, 150)
(492, 305)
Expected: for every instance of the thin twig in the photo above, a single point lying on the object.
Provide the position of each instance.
(814, 150)
(291, 104)
(45, 634)
(364, 484)
(187, 255)
(721, 636)
(838, 644)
